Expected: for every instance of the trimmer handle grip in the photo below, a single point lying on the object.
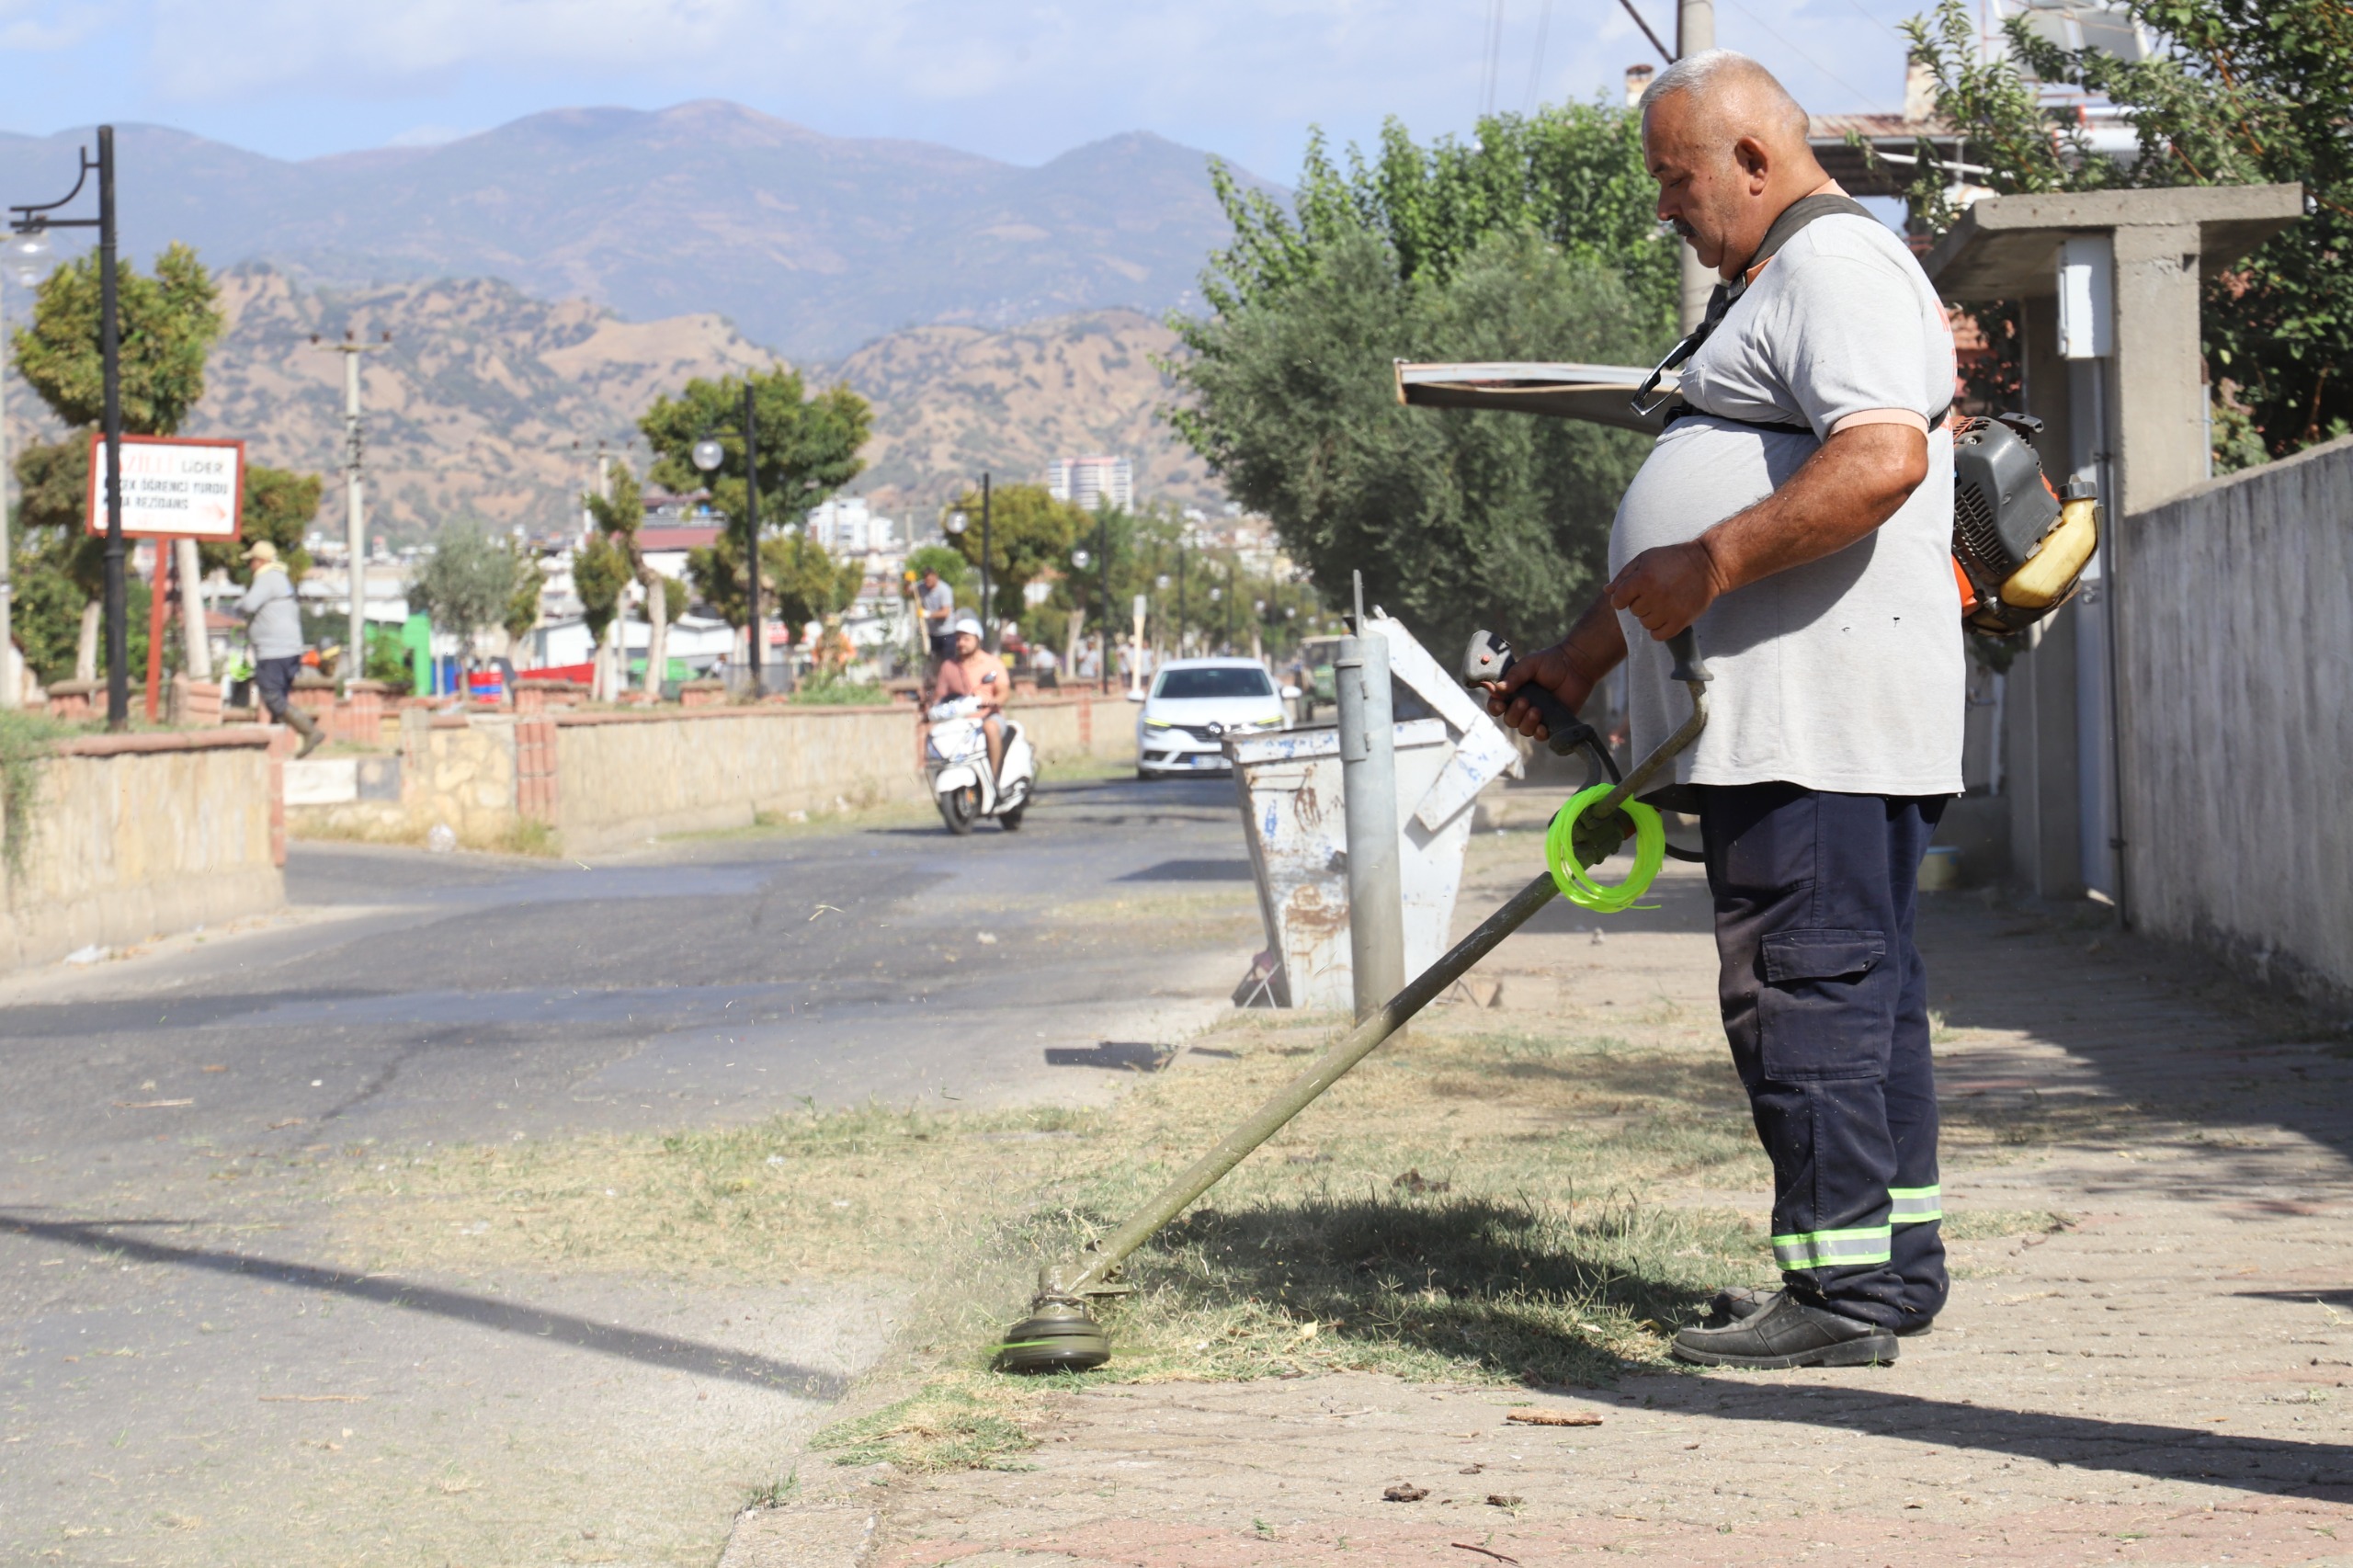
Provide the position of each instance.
(1684, 648)
(1490, 657)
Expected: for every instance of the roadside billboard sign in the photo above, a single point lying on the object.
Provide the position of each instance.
(173, 487)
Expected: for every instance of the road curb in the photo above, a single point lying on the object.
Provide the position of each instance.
(805, 1535)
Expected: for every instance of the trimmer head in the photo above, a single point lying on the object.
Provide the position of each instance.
(1057, 1336)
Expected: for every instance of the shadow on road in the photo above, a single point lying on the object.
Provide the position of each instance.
(506, 1317)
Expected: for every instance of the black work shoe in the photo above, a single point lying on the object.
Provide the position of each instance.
(1787, 1333)
(1735, 1302)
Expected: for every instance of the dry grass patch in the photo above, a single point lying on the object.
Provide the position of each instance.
(1480, 1202)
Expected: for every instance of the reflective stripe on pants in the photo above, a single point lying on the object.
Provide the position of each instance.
(1914, 1205)
(1833, 1249)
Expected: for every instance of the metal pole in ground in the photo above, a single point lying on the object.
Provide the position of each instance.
(1695, 29)
(110, 357)
(1368, 796)
(752, 538)
(988, 585)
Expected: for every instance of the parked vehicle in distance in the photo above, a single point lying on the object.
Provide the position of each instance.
(1194, 704)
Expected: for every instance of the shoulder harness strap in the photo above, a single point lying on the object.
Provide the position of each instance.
(1785, 228)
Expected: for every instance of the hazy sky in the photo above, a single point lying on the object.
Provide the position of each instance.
(1018, 79)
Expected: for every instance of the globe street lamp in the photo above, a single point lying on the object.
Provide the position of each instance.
(707, 454)
(29, 223)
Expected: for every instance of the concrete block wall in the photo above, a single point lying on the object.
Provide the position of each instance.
(133, 836)
(2235, 664)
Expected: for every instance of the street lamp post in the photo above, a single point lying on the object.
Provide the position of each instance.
(707, 454)
(988, 584)
(32, 222)
(1180, 601)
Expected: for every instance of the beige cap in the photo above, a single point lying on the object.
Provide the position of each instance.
(261, 549)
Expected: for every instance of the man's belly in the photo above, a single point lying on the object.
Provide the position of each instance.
(1844, 674)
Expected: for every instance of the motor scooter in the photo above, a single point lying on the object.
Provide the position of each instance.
(957, 757)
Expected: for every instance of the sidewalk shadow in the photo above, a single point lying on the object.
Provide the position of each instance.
(540, 1324)
(1520, 1291)
(2149, 1031)
(2271, 1465)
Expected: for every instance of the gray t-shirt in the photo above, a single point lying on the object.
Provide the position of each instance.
(939, 604)
(1844, 674)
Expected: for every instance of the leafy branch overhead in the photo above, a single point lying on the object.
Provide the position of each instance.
(1536, 241)
(2237, 92)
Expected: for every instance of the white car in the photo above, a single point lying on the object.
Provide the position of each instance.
(1194, 704)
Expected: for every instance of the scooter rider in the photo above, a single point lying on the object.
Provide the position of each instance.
(1800, 513)
(972, 671)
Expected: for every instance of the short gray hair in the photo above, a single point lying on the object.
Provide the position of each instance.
(1710, 71)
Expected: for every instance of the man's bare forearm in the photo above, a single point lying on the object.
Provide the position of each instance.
(1596, 643)
(1855, 482)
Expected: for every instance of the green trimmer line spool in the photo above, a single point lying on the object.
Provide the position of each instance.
(1059, 1334)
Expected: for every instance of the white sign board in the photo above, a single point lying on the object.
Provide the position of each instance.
(172, 488)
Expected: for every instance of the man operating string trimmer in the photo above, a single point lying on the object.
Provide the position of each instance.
(1798, 510)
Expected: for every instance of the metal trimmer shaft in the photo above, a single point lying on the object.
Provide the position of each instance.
(1059, 1335)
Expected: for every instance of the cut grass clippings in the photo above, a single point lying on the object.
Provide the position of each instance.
(1476, 1204)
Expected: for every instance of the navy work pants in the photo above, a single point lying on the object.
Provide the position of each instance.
(273, 680)
(1825, 1005)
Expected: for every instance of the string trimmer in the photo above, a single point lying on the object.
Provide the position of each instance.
(1060, 1334)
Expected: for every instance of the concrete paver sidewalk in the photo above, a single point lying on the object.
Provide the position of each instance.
(2164, 1379)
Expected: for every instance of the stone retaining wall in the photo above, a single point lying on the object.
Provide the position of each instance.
(618, 777)
(128, 837)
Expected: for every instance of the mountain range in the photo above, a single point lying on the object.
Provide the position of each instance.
(489, 405)
(810, 244)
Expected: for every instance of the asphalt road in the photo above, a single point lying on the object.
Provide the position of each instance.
(188, 1377)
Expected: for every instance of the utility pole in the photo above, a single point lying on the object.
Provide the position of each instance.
(1695, 29)
(354, 508)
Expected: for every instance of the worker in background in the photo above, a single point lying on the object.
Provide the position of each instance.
(1798, 514)
(938, 601)
(273, 628)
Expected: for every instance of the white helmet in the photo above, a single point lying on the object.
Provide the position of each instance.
(964, 625)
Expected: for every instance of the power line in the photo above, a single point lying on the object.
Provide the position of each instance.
(1865, 99)
(1664, 53)
(1536, 65)
(1491, 67)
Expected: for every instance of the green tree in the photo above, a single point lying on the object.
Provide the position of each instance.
(1536, 241)
(808, 583)
(1457, 519)
(467, 582)
(2238, 92)
(599, 573)
(523, 604)
(807, 449)
(169, 324)
(1029, 532)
